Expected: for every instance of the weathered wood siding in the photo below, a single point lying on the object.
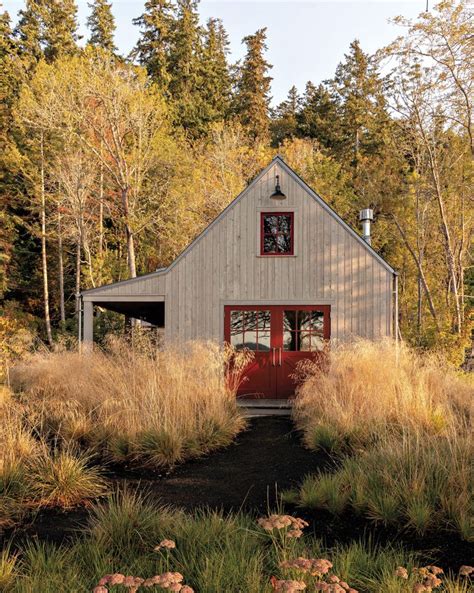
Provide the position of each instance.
(224, 266)
(329, 267)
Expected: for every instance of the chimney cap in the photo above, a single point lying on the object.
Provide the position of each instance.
(366, 214)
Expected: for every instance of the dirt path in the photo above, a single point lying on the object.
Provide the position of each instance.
(265, 459)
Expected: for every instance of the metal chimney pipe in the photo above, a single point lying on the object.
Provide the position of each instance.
(366, 216)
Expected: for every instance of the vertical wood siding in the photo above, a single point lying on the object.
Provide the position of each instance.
(329, 267)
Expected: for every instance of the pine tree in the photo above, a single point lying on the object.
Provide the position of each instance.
(59, 34)
(28, 34)
(153, 48)
(285, 117)
(319, 117)
(185, 71)
(359, 91)
(101, 23)
(215, 75)
(9, 85)
(253, 87)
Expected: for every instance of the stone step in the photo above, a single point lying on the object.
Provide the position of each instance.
(252, 408)
(265, 403)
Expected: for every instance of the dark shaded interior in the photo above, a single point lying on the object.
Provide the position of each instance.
(152, 312)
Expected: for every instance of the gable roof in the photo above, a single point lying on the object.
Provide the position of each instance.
(277, 159)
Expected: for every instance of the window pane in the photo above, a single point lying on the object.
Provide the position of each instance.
(285, 224)
(289, 320)
(290, 341)
(235, 322)
(270, 224)
(236, 329)
(250, 340)
(263, 321)
(284, 243)
(250, 320)
(264, 341)
(269, 244)
(312, 321)
(304, 342)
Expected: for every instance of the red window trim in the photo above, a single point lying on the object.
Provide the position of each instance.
(292, 234)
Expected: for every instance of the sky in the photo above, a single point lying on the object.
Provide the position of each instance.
(306, 38)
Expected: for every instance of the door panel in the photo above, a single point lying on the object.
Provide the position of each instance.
(305, 331)
(251, 327)
(280, 336)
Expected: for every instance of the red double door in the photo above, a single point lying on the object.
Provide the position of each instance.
(279, 336)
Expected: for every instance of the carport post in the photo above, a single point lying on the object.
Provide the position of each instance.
(88, 324)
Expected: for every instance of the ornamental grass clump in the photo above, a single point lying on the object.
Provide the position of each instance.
(140, 405)
(36, 473)
(401, 425)
(368, 388)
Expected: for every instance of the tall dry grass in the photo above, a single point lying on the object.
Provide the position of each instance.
(36, 473)
(371, 387)
(402, 422)
(142, 405)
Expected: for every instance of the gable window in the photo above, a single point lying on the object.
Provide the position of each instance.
(276, 232)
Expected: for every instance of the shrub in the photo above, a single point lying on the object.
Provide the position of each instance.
(145, 406)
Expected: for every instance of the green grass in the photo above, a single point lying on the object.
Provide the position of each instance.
(214, 552)
(419, 484)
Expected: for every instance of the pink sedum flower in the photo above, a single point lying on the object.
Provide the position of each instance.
(401, 572)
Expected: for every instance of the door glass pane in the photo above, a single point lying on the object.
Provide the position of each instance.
(290, 341)
(311, 321)
(263, 321)
(264, 341)
(304, 342)
(236, 329)
(303, 330)
(250, 329)
(289, 320)
(250, 340)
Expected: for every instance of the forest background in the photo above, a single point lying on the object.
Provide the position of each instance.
(110, 165)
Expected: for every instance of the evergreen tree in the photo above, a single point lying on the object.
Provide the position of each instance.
(59, 34)
(185, 71)
(285, 117)
(319, 116)
(215, 75)
(101, 23)
(359, 90)
(153, 48)
(28, 34)
(253, 87)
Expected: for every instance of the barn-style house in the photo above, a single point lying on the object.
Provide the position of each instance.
(278, 272)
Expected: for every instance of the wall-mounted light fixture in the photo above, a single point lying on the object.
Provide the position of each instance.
(278, 194)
